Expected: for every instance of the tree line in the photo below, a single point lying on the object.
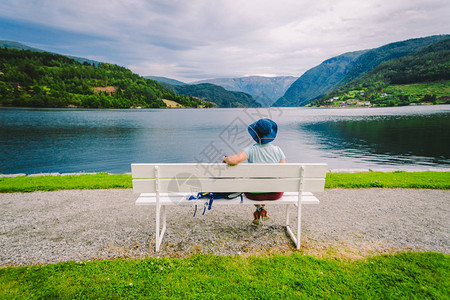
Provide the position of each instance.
(42, 79)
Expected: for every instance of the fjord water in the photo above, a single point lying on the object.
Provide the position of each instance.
(77, 140)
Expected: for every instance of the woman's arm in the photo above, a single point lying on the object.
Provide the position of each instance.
(235, 159)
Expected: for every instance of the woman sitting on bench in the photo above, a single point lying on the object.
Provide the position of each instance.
(263, 132)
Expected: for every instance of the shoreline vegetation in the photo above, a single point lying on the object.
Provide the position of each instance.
(419, 94)
(396, 179)
(175, 105)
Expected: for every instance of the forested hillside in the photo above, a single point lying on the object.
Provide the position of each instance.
(423, 76)
(375, 57)
(216, 94)
(341, 70)
(42, 79)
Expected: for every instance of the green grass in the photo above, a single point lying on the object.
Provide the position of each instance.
(418, 90)
(404, 275)
(399, 179)
(70, 182)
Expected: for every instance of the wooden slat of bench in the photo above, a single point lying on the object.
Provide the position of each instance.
(223, 170)
(229, 185)
(181, 199)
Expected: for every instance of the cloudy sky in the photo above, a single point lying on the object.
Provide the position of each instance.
(198, 39)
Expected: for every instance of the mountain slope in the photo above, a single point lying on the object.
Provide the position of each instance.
(376, 56)
(431, 63)
(318, 80)
(264, 90)
(17, 45)
(160, 80)
(423, 76)
(214, 93)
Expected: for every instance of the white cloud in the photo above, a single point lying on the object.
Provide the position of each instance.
(190, 40)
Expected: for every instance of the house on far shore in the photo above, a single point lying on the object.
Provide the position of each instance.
(13, 84)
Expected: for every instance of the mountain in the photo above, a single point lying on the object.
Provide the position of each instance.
(428, 64)
(214, 93)
(318, 80)
(422, 76)
(17, 45)
(208, 92)
(376, 56)
(42, 79)
(326, 77)
(165, 80)
(265, 90)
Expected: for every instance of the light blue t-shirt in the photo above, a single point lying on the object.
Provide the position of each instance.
(264, 153)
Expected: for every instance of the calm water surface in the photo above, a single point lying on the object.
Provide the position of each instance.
(74, 140)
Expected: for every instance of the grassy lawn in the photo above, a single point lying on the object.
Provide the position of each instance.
(70, 182)
(416, 180)
(405, 275)
(399, 179)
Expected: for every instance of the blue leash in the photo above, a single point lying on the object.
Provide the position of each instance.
(209, 202)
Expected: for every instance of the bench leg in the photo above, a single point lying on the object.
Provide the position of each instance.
(160, 236)
(299, 225)
(295, 239)
(287, 214)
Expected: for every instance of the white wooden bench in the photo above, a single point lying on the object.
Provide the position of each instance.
(164, 185)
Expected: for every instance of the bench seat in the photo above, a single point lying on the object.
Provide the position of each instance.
(182, 199)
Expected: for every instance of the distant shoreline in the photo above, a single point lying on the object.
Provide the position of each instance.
(184, 107)
(370, 170)
(375, 106)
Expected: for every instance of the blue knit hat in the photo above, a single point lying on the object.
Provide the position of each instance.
(263, 131)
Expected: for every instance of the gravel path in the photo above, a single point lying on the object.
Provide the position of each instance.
(48, 227)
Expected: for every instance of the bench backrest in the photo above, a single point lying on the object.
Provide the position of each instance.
(193, 178)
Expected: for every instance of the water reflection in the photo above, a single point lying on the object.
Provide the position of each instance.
(66, 140)
(394, 140)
